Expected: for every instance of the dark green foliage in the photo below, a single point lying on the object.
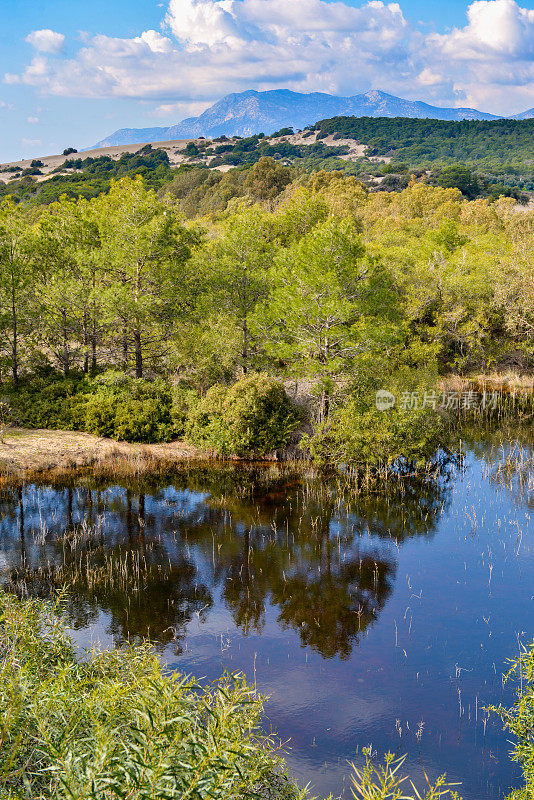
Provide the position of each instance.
(131, 410)
(48, 402)
(252, 418)
(473, 185)
(192, 150)
(111, 405)
(502, 147)
(114, 724)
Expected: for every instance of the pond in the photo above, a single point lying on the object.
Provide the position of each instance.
(383, 618)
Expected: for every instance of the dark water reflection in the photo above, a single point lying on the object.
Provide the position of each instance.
(362, 617)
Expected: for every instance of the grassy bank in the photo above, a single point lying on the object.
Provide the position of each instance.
(38, 452)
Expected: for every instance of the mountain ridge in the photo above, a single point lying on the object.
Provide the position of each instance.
(250, 112)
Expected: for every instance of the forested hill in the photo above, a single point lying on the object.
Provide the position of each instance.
(481, 158)
(427, 141)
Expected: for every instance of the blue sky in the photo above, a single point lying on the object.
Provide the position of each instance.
(71, 73)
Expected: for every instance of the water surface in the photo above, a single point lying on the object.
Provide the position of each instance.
(383, 619)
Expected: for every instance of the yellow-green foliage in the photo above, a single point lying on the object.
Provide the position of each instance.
(340, 288)
(519, 720)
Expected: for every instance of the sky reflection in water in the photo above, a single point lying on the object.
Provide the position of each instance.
(382, 620)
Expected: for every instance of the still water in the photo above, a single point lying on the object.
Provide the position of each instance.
(382, 620)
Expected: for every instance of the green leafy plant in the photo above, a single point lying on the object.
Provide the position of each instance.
(254, 417)
(519, 719)
(115, 725)
(385, 782)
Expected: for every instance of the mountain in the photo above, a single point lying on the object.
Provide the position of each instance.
(253, 112)
(525, 115)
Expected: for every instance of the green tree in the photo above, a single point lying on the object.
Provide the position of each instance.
(267, 179)
(15, 276)
(329, 306)
(144, 249)
(237, 271)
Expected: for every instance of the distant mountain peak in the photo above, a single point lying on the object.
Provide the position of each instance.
(249, 112)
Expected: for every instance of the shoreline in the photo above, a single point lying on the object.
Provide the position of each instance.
(26, 452)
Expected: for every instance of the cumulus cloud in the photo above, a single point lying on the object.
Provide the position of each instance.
(493, 55)
(495, 28)
(46, 41)
(210, 47)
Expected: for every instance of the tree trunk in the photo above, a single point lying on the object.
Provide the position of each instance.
(244, 352)
(93, 347)
(125, 347)
(14, 351)
(65, 344)
(325, 405)
(85, 343)
(138, 355)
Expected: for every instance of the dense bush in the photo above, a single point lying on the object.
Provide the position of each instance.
(130, 410)
(359, 435)
(114, 724)
(254, 417)
(111, 405)
(49, 401)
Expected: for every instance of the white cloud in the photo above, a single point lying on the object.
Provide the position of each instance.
(155, 41)
(46, 41)
(217, 46)
(33, 120)
(492, 57)
(495, 28)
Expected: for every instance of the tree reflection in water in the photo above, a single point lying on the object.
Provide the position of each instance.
(154, 555)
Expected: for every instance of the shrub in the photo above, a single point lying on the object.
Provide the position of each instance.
(143, 419)
(110, 405)
(252, 418)
(518, 720)
(358, 435)
(99, 417)
(205, 426)
(131, 410)
(114, 724)
(48, 402)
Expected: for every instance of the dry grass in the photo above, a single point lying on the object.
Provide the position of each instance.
(506, 382)
(27, 452)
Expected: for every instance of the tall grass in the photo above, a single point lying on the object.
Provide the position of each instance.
(519, 719)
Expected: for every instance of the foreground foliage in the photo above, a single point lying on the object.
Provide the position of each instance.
(115, 725)
(519, 720)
